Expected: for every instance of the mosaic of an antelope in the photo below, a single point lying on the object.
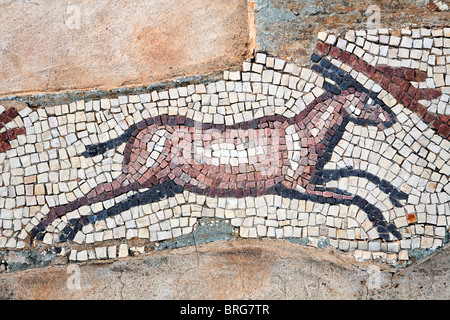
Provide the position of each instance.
(269, 155)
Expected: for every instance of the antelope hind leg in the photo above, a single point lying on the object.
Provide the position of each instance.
(153, 194)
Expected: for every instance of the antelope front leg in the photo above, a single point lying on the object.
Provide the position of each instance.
(336, 196)
(324, 176)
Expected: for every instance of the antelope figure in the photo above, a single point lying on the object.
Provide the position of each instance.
(271, 155)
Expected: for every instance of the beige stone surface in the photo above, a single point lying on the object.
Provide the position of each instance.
(54, 45)
(236, 269)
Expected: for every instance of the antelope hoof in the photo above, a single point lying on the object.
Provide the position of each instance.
(397, 195)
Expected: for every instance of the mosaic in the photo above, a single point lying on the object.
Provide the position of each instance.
(434, 5)
(351, 150)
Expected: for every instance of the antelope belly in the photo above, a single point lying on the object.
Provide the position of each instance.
(233, 147)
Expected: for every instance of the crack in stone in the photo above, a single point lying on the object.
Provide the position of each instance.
(122, 283)
(243, 283)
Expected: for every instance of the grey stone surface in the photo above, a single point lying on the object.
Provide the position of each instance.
(289, 28)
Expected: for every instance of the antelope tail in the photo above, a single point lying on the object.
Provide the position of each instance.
(96, 149)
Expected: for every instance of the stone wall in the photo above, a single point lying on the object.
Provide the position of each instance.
(323, 127)
(89, 45)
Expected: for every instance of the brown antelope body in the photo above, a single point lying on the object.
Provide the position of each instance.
(269, 155)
